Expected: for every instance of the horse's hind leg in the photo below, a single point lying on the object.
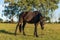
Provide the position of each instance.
(18, 25)
(20, 28)
(16, 28)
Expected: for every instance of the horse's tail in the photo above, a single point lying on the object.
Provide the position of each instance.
(20, 23)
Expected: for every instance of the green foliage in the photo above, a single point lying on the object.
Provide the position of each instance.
(1, 20)
(48, 19)
(59, 20)
(43, 5)
(46, 5)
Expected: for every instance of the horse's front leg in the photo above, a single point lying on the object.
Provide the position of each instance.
(24, 23)
(42, 28)
(35, 30)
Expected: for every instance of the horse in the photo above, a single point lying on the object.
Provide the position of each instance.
(34, 17)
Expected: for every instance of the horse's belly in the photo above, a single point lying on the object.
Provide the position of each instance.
(35, 20)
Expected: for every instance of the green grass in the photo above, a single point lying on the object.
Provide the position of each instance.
(51, 32)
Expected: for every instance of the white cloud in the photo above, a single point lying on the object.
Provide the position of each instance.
(1, 8)
(1, 1)
(15, 18)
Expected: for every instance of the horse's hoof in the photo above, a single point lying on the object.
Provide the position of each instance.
(20, 31)
(15, 34)
(37, 36)
(24, 34)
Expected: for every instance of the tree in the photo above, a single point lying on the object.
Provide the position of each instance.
(59, 20)
(44, 6)
(48, 19)
(1, 20)
(11, 10)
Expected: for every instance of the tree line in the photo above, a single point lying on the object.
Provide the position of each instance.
(44, 6)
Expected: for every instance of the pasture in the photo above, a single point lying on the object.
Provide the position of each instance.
(51, 32)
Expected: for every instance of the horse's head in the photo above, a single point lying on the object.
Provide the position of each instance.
(42, 22)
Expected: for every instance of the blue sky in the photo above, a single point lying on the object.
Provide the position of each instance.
(55, 18)
(57, 13)
(1, 7)
(1, 1)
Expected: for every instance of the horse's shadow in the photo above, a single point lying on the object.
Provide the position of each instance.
(6, 32)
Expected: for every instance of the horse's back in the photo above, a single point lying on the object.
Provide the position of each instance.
(31, 17)
(28, 15)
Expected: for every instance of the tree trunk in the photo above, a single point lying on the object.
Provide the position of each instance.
(11, 19)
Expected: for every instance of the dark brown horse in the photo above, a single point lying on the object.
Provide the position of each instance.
(30, 17)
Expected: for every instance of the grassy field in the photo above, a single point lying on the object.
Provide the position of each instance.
(51, 32)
